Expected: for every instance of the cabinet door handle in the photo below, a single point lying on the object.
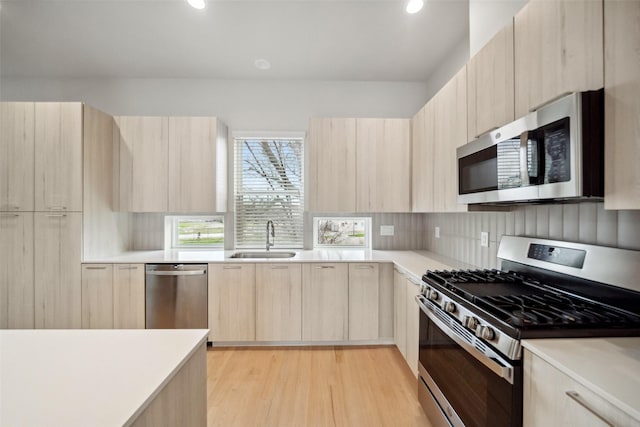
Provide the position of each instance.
(486, 132)
(364, 267)
(96, 268)
(279, 267)
(580, 401)
(127, 268)
(9, 214)
(231, 267)
(56, 215)
(57, 208)
(11, 207)
(324, 266)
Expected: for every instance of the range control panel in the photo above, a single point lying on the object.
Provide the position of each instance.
(557, 255)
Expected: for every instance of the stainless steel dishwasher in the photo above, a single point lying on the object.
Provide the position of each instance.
(176, 296)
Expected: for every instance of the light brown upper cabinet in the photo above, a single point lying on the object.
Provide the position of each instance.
(143, 163)
(422, 151)
(490, 92)
(171, 164)
(17, 129)
(58, 156)
(558, 49)
(383, 175)
(197, 164)
(622, 104)
(331, 162)
(450, 132)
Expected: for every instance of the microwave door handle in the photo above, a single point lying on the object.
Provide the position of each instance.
(524, 169)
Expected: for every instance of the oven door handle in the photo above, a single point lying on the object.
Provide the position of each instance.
(501, 368)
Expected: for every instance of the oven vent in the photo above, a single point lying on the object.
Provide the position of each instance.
(480, 346)
(461, 331)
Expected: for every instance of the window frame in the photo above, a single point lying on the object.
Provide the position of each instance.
(367, 232)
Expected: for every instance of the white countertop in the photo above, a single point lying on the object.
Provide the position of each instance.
(87, 377)
(413, 263)
(608, 366)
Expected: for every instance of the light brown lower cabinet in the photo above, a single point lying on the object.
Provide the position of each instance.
(232, 302)
(97, 296)
(413, 326)
(16, 270)
(113, 296)
(128, 296)
(278, 302)
(325, 302)
(364, 288)
(58, 246)
(400, 311)
(552, 398)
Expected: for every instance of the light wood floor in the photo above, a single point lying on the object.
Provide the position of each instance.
(320, 386)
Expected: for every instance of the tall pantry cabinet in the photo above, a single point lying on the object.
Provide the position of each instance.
(40, 215)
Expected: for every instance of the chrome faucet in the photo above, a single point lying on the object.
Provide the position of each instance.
(273, 234)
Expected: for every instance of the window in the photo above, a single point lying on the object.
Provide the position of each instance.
(342, 232)
(269, 186)
(195, 231)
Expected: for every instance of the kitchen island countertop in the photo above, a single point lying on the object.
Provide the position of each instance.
(87, 377)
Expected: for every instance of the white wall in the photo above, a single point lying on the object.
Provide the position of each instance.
(487, 17)
(243, 105)
(447, 69)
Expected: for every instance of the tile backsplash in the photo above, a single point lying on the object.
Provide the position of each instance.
(459, 232)
(584, 222)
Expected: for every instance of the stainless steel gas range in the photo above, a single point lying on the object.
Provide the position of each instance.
(472, 321)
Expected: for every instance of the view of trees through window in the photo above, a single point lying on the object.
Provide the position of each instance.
(269, 186)
(342, 232)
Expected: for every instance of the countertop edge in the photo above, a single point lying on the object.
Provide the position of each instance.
(144, 405)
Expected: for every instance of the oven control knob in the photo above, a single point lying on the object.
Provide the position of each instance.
(485, 332)
(449, 307)
(470, 322)
(432, 294)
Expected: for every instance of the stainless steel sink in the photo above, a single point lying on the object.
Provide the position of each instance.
(263, 255)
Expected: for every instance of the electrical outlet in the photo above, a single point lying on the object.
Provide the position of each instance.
(437, 232)
(387, 230)
(484, 239)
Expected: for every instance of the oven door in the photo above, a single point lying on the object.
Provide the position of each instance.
(460, 385)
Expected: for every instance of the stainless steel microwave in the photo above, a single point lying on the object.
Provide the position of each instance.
(555, 152)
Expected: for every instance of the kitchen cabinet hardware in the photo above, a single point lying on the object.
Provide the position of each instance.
(10, 207)
(279, 267)
(56, 215)
(318, 267)
(57, 208)
(545, 103)
(127, 268)
(575, 396)
(487, 131)
(364, 267)
(9, 215)
(96, 268)
(232, 267)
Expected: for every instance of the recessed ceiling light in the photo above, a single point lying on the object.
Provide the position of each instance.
(414, 6)
(197, 4)
(262, 64)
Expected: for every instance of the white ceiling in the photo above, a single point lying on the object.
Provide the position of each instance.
(365, 40)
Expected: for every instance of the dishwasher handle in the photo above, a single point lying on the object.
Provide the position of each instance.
(177, 273)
